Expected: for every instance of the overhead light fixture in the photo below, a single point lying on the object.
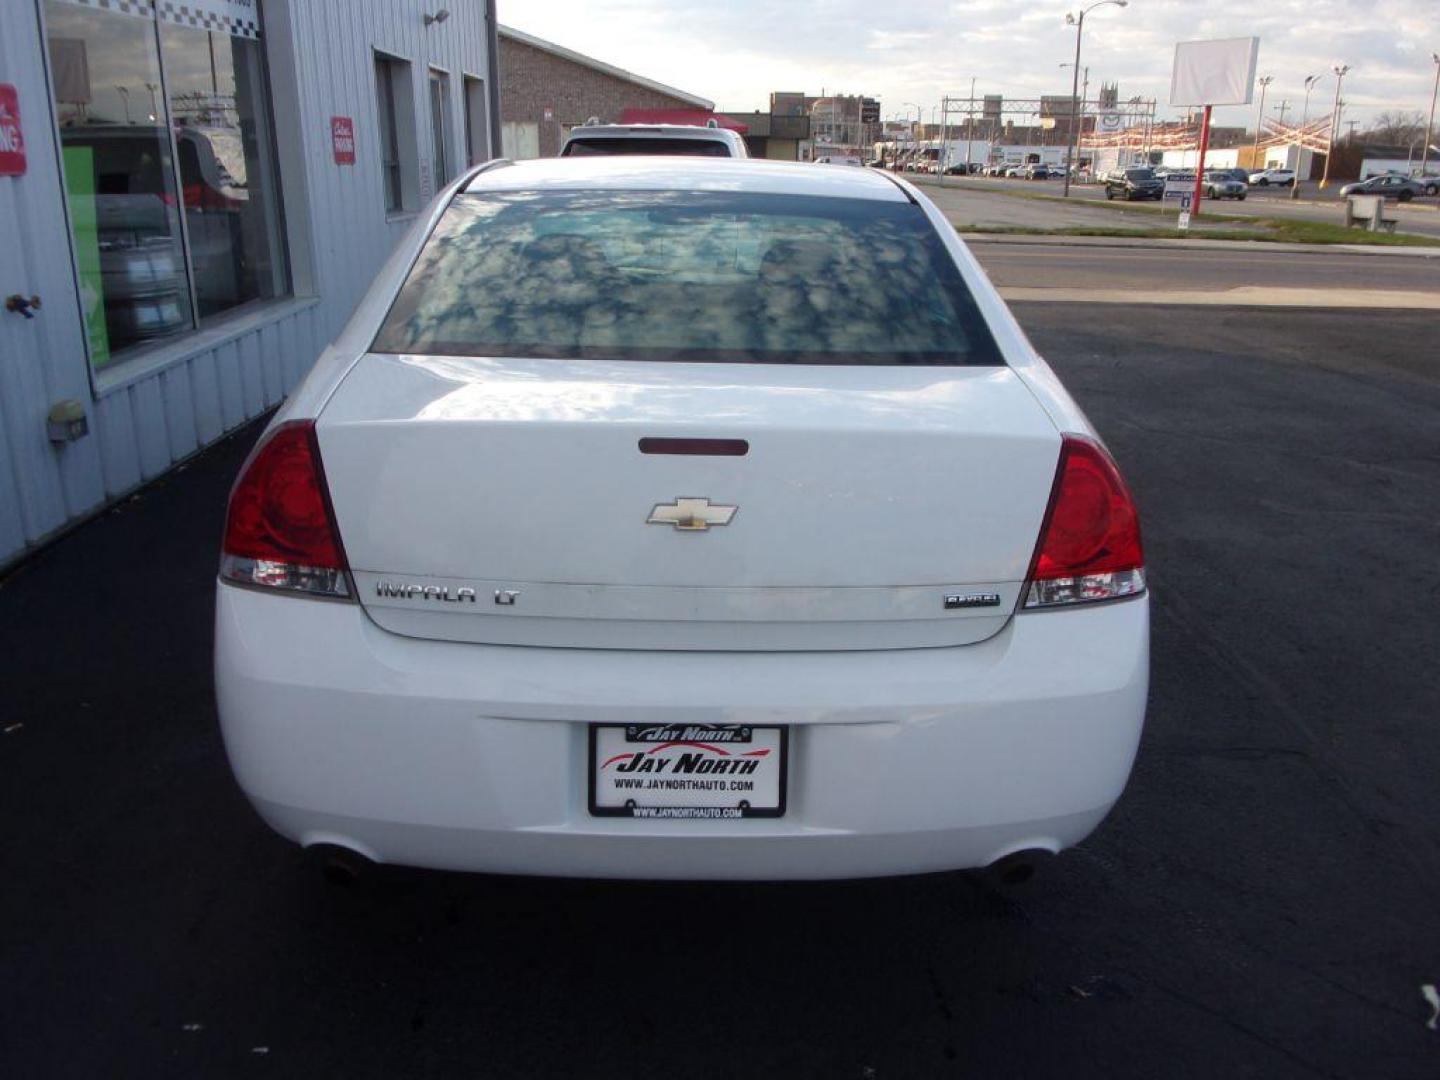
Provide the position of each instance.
(439, 17)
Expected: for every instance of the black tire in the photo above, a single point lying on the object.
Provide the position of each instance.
(1406, 196)
(1262, 182)
(1109, 195)
(1431, 189)
(1240, 197)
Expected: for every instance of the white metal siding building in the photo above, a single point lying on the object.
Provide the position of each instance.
(198, 192)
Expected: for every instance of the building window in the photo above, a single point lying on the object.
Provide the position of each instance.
(440, 126)
(391, 76)
(477, 135)
(169, 167)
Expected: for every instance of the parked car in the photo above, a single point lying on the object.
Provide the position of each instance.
(1221, 185)
(1134, 185)
(641, 649)
(1391, 185)
(689, 140)
(1267, 177)
(1041, 172)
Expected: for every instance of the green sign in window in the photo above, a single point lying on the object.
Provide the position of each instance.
(80, 188)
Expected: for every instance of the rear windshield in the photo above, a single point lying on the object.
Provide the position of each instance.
(683, 147)
(687, 276)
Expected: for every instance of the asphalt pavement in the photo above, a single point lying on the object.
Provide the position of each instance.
(1262, 903)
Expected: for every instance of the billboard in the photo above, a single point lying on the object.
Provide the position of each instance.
(1220, 72)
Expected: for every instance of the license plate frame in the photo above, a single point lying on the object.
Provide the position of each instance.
(770, 751)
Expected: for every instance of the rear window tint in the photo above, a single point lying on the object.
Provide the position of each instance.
(687, 276)
(680, 147)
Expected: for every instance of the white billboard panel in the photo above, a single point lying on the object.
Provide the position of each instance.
(1220, 72)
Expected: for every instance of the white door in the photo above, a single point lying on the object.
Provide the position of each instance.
(42, 350)
(520, 139)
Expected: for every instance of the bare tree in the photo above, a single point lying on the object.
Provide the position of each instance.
(1395, 128)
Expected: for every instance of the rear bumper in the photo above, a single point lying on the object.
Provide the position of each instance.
(473, 757)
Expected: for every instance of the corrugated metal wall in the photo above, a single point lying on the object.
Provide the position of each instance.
(321, 66)
(40, 488)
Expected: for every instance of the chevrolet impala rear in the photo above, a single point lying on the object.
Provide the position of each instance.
(654, 519)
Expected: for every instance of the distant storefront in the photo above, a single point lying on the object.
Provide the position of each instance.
(196, 192)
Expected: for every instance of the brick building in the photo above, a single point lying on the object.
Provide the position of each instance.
(546, 89)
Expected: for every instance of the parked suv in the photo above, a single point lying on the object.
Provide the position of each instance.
(1281, 177)
(1134, 184)
(688, 140)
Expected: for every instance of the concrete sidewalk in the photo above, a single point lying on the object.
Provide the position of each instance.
(1263, 247)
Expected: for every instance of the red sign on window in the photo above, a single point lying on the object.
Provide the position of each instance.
(12, 139)
(342, 139)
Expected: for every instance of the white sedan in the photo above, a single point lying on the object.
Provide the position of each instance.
(663, 519)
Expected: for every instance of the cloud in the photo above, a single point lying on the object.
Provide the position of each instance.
(738, 52)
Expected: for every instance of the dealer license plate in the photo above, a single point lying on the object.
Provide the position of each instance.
(687, 771)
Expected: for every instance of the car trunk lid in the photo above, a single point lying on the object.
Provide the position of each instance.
(510, 501)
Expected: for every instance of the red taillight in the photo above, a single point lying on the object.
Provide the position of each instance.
(279, 530)
(1090, 541)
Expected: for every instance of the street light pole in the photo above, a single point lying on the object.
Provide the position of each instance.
(1430, 124)
(1300, 148)
(970, 124)
(1084, 96)
(1072, 144)
(1264, 81)
(1340, 70)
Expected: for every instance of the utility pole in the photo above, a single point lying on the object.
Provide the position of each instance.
(1340, 70)
(1430, 124)
(1282, 109)
(1264, 81)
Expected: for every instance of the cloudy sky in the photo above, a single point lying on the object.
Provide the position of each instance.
(736, 51)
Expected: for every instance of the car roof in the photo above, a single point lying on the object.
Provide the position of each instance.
(657, 131)
(627, 172)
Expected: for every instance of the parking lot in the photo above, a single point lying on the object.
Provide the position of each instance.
(1261, 903)
(1421, 216)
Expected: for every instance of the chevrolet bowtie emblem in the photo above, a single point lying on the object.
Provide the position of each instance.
(691, 515)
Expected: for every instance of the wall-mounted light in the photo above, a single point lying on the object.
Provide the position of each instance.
(439, 17)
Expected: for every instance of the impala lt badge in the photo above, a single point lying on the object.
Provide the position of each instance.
(691, 515)
(402, 591)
